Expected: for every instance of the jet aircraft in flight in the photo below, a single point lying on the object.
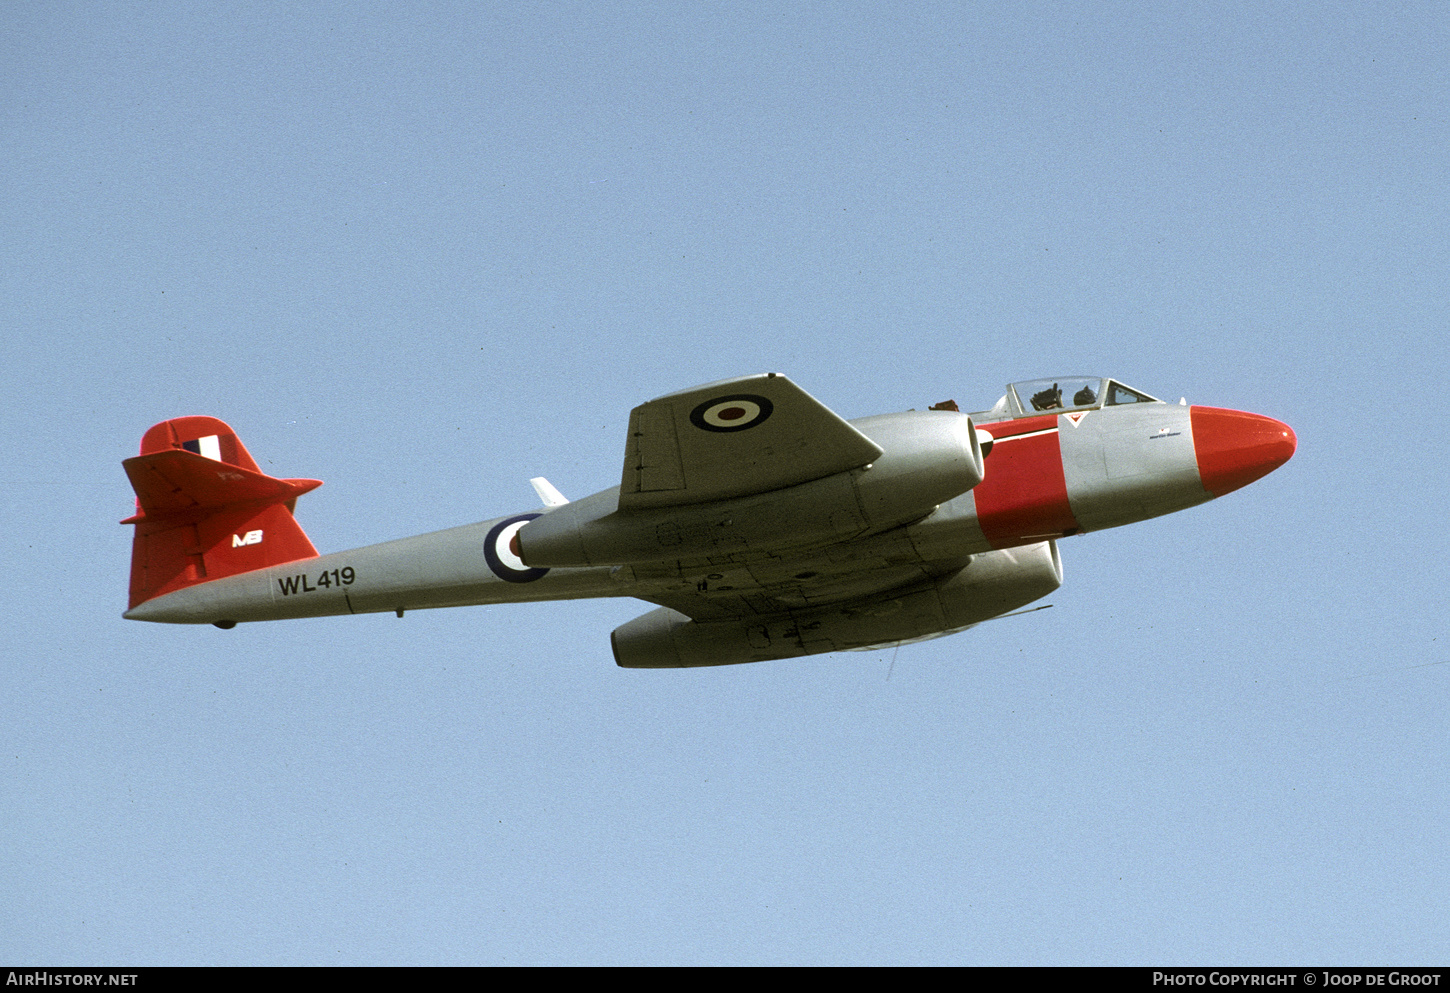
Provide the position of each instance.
(761, 524)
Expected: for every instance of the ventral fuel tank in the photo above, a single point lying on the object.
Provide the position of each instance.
(990, 585)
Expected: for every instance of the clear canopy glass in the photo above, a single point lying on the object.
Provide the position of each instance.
(1067, 393)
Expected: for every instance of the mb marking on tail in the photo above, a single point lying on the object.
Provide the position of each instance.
(204, 510)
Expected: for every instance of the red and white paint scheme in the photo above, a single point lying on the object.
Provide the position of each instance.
(762, 524)
(1114, 459)
(204, 510)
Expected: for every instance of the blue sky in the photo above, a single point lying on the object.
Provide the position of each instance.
(426, 253)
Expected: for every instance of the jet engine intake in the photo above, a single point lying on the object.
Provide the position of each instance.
(929, 457)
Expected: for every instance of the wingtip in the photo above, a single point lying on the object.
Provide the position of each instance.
(548, 494)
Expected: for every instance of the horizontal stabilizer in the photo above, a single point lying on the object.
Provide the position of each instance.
(178, 481)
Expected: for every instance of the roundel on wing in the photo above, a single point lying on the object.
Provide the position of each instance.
(737, 412)
(500, 551)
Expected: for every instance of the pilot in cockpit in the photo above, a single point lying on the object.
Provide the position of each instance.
(1084, 397)
(1050, 399)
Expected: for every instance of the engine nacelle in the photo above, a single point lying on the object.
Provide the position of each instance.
(991, 584)
(928, 458)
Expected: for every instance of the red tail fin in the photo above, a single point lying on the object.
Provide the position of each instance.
(204, 510)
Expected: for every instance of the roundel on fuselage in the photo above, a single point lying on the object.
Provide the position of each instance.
(736, 412)
(499, 551)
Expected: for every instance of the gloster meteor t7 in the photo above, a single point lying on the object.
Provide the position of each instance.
(763, 525)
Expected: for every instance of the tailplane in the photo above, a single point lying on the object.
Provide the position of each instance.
(205, 511)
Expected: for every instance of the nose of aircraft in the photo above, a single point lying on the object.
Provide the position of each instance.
(1235, 448)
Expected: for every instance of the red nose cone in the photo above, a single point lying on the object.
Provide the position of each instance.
(1235, 448)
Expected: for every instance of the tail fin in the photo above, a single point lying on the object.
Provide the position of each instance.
(204, 510)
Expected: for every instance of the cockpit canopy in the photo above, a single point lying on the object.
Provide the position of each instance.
(1066, 393)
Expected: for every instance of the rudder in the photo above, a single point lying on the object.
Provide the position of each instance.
(204, 510)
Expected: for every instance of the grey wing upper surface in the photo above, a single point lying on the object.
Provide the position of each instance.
(733, 438)
(740, 437)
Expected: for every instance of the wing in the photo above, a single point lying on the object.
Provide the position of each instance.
(778, 599)
(763, 586)
(733, 438)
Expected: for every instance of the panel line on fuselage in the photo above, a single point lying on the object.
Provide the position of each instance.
(1019, 437)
